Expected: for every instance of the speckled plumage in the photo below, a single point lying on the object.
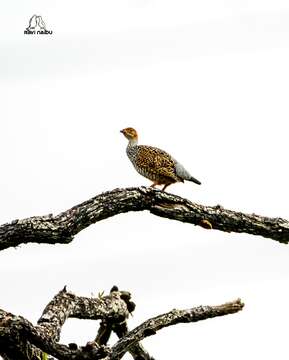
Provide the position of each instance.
(153, 163)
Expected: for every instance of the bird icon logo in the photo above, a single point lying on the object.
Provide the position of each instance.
(36, 21)
(36, 26)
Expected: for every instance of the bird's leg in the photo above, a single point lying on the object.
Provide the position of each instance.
(164, 188)
(153, 184)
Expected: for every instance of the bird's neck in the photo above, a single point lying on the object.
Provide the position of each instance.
(132, 142)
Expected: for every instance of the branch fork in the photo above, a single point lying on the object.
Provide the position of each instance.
(21, 340)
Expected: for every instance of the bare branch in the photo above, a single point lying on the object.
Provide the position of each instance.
(111, 308)
(151, 326)
(20, 340)
(63, 227)
(136, 350)
(45, 335)
(106, 327)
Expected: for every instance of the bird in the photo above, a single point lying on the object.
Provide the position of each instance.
(32, 23)
(155, 164)
(40, 23)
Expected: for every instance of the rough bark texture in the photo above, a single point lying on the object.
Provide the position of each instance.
(20, 340)
(63, 227)
(151, 326)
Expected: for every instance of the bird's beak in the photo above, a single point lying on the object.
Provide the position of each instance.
(121, 131)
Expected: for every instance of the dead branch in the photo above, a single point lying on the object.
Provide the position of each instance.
(21, 340)
(151, 326)
(63, 227)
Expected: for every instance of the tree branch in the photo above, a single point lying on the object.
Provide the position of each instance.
(65, 304)
(106, 327)
(19, 337)
(20, 340)
(151, 326)
(63, 227)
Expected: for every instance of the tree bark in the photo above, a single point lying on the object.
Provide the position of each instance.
(64, 226)
(20, 340)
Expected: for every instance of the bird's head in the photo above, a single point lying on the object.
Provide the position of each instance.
(129, 133)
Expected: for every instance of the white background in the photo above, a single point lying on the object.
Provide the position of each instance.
(208, 82)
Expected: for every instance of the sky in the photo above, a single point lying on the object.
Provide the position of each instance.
(207, 82)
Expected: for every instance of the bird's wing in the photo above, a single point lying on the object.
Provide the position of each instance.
(156, 161)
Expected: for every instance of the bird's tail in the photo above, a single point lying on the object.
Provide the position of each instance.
(183, 174)
(191, 178)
